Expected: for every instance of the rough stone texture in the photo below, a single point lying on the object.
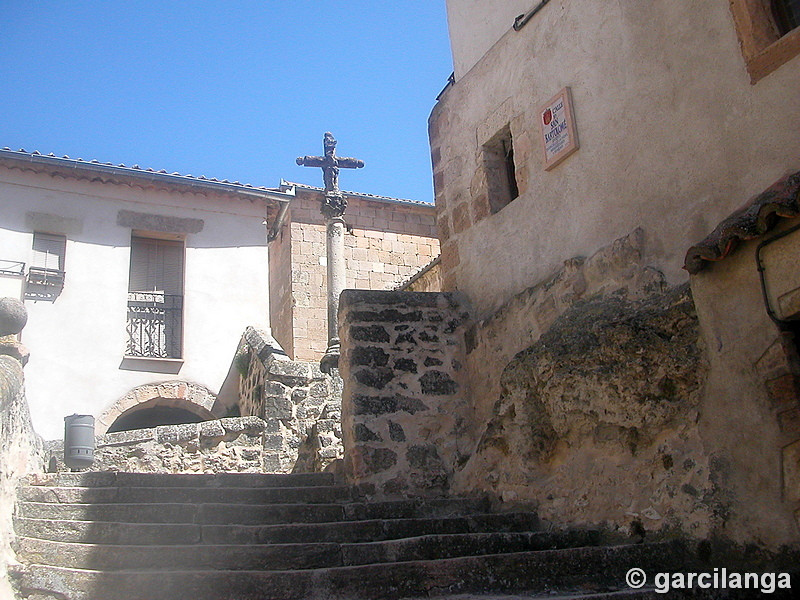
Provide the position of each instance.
(596, 420)
(403, 421)
(493, 341)
(13, 316)
(300, 403)
(230, 445)
(21, 450)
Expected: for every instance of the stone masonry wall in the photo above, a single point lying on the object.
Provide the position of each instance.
(300, 404)
(230, 445)
(402, 363)
(386, 243)
(21, 450)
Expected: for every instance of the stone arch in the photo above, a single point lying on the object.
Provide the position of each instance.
(191, 397)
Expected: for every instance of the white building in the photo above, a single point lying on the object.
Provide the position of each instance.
(132, 278)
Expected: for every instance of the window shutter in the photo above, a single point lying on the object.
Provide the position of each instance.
(156, 266)
(48, 251)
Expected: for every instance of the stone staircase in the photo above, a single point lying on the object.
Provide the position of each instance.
(133, 536)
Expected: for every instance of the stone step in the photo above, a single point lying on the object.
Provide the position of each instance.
(105, 557)
(248, 514)
(290, 556)
(539, 572)
(432, 547)
(236, 495)
(337, 532)
(218, 480)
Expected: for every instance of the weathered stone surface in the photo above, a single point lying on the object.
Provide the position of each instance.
(13, 316)
(378, 405)
(370, 356)
(364, 434)
(394, 378)
(374, 378)
(438, 383)
(369, 333)
(611, 377)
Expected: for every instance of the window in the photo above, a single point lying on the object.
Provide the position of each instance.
(46, 270)
(501, 178)
(769, 33)
(786, 14)
(155, 298)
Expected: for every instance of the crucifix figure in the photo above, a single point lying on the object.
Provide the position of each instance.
(330, 164)
(333, 207)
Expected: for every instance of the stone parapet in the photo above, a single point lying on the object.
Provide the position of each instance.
(405, 394)
(230, 445)
(300, 404)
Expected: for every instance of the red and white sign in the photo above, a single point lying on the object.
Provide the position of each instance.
(559, 136)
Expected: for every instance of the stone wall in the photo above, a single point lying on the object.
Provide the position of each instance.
(402, 364)
(387, 242)
(21, 450)
(300, 404)
(428, 279)
(229, 445)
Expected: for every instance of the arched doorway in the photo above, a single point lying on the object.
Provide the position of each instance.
(151, 405)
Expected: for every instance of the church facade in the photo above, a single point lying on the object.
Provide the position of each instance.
(605, 175)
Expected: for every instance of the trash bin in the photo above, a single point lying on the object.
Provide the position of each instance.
(79, 441)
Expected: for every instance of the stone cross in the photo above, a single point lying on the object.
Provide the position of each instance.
(330, 164)
(333, 207)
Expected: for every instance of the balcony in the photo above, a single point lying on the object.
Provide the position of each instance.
(155, 325)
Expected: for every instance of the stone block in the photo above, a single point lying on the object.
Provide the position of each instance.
(319, 390)
(378, 405)
(422, 456)
(365, 434)
(250, 424)
(177, 434)
(277, 407)
(461, 218)
(370, 356)
(775, 360)
(292, 373)
(438, 383)
(396, 433)
(789, 421)
(783, 390)
(409, 365)
(211, 429)
(378, 460)
(124, 438)
(376, 378)
(273, 442)
(790, 459)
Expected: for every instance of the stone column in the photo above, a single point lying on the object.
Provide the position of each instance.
(337, 281)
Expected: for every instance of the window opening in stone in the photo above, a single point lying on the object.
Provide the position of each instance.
(786, 14)
(501, 177)
(155, 298)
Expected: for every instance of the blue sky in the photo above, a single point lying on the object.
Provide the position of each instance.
(229, 89)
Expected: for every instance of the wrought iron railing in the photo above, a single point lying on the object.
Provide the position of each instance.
(155, 325)
(12, 267)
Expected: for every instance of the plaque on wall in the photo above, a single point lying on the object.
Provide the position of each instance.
(559, 135)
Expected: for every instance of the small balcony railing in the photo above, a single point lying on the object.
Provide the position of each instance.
(12, 267)
(155, 325)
